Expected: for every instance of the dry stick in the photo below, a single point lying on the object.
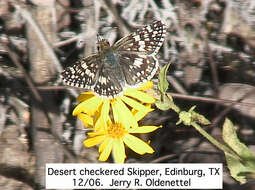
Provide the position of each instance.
(44, 41)
(176, 85)
(38, 98)
(175, 95)
(162, 158)
(212, 100)
(226, 110)
(68, 41)
(25, 14)
(44, 143)
(219, 101)
(226, 17)
(213, 67)
(28, 79)
(111, 9)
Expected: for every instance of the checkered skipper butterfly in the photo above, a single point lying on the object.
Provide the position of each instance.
(129, 62)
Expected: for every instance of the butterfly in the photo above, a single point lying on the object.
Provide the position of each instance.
(128, 63)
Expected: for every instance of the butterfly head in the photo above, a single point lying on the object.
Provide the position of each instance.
(102, 44)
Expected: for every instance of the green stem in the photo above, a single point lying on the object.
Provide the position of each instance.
(222, 147)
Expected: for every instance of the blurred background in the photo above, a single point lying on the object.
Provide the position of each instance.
(210, 44)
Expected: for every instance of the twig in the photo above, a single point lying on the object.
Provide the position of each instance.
(25, 14)
(111, 9)
(213, 66)
(38, 98)
(227, 109)
(68, 41)
(176, 85)
(211, 100)
(28, 79)
(44, 41)
(163, 158)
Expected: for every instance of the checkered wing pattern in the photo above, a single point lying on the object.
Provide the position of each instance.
(128, 63)
(138, 69)
(138, 50)
(84, 73)
(110, 81)
(146, 40)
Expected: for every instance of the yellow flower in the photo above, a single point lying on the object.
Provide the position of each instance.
(94, 111)
(113, 139)
(114, 120)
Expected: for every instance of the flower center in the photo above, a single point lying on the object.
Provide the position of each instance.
(116, 130)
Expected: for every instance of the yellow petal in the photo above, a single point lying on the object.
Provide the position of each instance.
(105, 143)
(137, 145)
(86, 119)
(136, 105)
(101, 124)
(89, 106)
(103, 117)
(115, 112)
(93, 141)
(146, 85)
(105, 110)
(84, 96)
(122, 114)
(144, 129)
(119, 151)
(140, 115)
(141, 96)
(106, 151)
(97, 133)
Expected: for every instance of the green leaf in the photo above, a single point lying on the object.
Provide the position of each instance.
(163, 83)
(243, 168)
(164, 104)
(200, 118)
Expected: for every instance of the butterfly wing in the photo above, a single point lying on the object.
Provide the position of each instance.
(128, 62)
(103, 76)
(138, 53)
(137, 68)
(110, 81)
(84, 73)
(146, 40)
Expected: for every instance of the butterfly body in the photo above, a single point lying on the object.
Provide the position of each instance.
(128, 63)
